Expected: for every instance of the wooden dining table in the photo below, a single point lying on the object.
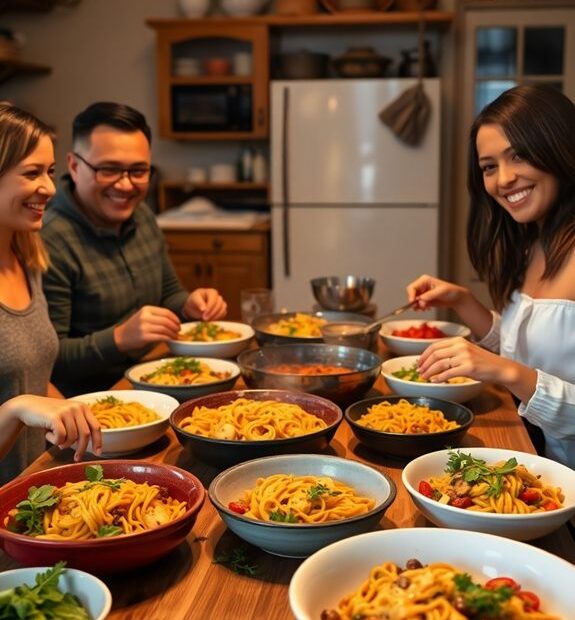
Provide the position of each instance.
(197, 580)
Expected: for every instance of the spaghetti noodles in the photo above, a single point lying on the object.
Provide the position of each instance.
(405, 417)
(96, 508)
(302, 499)
(250, 420)
(112, 412)
(502, 488)
(437, 591)
(208, 332)
(184, 371)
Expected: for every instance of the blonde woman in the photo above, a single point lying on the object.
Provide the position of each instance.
(28, 341)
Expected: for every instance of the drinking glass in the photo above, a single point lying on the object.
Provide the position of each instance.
(256, 301)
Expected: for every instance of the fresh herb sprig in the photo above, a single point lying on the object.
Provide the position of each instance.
(95, 475)
(109, 400)
(30, 511)
(43, 600)
(478, 601)
(283, 517)
(474, 470)
(318, 490)
(238, 560)
(106, 531)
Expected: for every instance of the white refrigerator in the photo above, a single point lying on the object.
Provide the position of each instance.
(347, 196)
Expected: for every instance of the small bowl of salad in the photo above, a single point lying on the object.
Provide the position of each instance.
(184, 377)
(400, 374)
(212, 339)
(413, 336)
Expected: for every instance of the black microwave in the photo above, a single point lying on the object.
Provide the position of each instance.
(212, 107)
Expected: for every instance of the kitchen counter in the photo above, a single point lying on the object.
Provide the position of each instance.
(188, 584)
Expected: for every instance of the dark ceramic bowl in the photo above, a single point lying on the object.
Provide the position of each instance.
(408, 446)
(343, 388)
(111, 554)
(261, 325)
(222, 452)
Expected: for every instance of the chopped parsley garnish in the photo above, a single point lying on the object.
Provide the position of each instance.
(474, 470)
(318, 490)
(278, 515)
(106, 531)
(237, 559)
(478, 601)
(109, 400)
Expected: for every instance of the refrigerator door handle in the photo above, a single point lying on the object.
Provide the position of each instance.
(285, 182)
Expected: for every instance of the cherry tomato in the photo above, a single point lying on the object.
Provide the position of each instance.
(530, 496)
(461, 502)
(501, 582)
(425, 489)
(424, 331)
(237, 507)
(530, 600)
(550, 505)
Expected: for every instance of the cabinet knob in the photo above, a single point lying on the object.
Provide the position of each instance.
(217, 244)
(260, 118)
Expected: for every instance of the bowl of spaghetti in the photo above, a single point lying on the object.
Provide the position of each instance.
(230, 427)
(400, 374)
(442, 572)
(299, 327)
(92, 514)
(184, 377)
(408, 426)
(342, 374)
(130, 419)
(294, 504)
(504, 492)
(211, 339)
(413, 336)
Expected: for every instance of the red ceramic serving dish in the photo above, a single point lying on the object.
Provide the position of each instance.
(103, 555)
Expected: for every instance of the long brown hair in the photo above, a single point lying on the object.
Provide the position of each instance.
(539, 123)
(20, 133)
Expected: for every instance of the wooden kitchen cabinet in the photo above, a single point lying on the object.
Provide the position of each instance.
(226, 260)
(194, 103)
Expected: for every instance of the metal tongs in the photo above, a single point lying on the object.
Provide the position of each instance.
(376, 324)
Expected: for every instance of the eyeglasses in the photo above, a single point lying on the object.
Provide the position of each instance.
(108, 175)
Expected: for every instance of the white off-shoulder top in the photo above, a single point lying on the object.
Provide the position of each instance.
(540, 333)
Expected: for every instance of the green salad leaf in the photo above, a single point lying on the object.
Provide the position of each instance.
(43, 601)
(30, 511)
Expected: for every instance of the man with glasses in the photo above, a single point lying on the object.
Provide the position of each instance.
(111, 289)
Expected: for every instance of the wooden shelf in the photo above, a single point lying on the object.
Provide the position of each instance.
(363, 18)
(237, 186)
(210, 79)
(10, 68)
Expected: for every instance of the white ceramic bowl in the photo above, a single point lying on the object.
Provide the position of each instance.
(219, 348)
(300, 540)
(91, 591)
(412, 346)
(456, 392)
(326, 577)
(518, 527)
(184, 392)
(119, 441)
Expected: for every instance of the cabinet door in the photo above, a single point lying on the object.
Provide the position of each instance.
(504, 48)
(204, 92)
(191, 269)
(230, 273)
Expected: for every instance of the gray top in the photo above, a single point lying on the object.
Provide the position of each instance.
(98, 278)
(29, 349)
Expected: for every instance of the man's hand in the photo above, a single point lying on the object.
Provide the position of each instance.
(150, 324)
(205, 304)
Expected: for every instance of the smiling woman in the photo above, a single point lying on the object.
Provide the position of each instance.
(28, 341)
(521, 241)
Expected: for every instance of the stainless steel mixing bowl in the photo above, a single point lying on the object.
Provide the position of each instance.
(349, 293)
